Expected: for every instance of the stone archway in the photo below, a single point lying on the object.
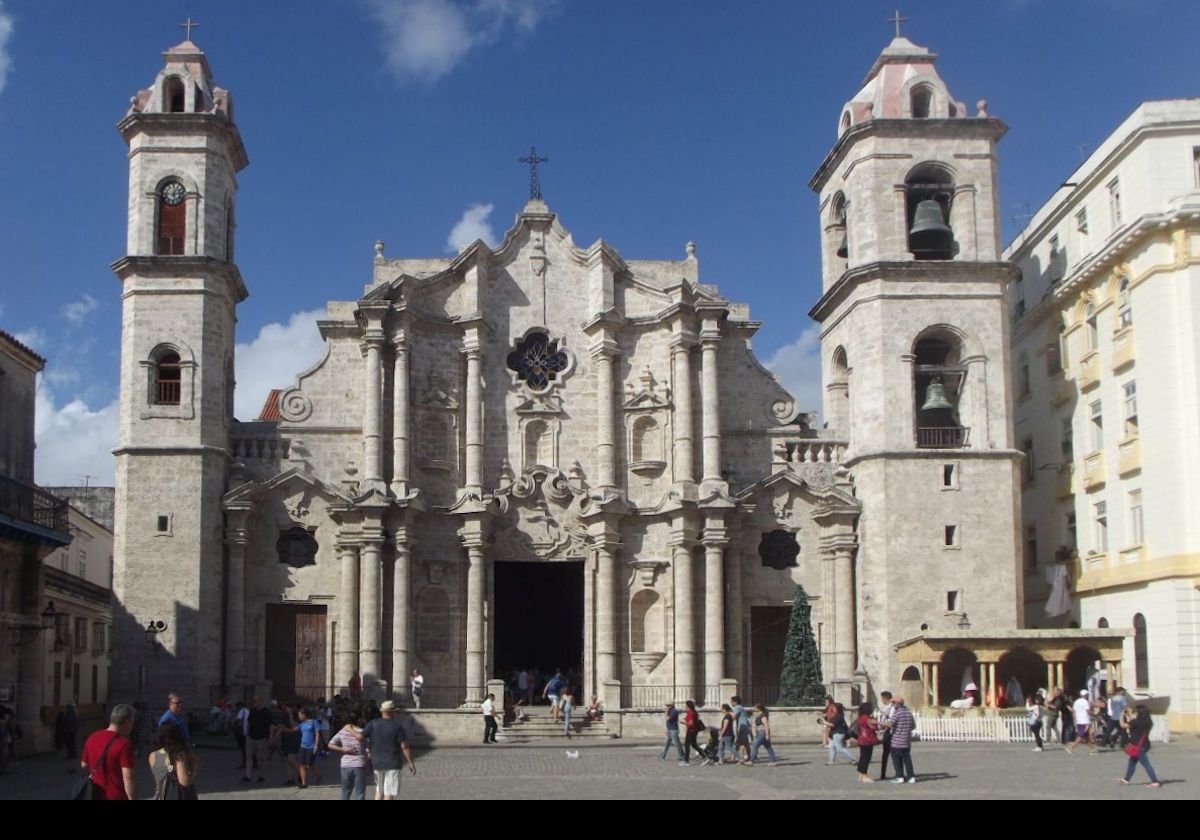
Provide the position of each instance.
(1026, 667)
(1076, 668)
(959, 666)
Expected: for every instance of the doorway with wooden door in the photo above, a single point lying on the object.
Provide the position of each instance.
(296, 651)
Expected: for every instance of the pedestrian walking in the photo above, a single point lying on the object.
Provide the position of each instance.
(725, 736)
(762, 735)
(902, 723)
(353, 764)
(309, 730)
(838, 730)
(175, 714)
(868, 737)
(1033, 717)
(66, 729)
(741, 720)
(108, 757)
(388, 743)
(568, 706)
(551, 692)
(693, 725)
(1081, 711)
(1138, 749)
(671, 718)
(173, 765)
(488, 707)
(416, 684)
(258, 731)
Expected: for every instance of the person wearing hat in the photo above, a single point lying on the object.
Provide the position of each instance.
(671, 715)
(1082, 709)
(389, 751)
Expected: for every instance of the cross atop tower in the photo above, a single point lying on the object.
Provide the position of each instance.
(188, 24)
(535, 184)
(896, 19)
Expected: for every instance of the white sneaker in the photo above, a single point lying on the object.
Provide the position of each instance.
(913, 780)
(1037, 749)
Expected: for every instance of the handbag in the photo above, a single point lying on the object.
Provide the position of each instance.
(1135, 750)
(85, 788)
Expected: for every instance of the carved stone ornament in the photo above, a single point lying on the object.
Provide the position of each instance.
(294, 405)
(646, 572)
(541, 516)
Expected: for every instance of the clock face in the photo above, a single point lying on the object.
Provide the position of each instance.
(172, 193)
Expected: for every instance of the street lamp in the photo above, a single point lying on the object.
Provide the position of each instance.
(27, 632)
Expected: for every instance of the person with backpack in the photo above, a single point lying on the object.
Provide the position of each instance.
(693, 726)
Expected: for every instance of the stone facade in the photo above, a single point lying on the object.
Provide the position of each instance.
(1105, 314)
(540, 414)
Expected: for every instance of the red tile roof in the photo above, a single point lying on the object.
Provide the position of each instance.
(270, 409)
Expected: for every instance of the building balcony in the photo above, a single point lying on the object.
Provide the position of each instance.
(1065, 487)
(1089, 371)
(1133, 554)
(30, 514)
(943, 437)
(1093, 472)
(1064, 391)
(1123, 349)
(1130, 456)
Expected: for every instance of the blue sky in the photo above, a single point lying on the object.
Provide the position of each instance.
(402, 120)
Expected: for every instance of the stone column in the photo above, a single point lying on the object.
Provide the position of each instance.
(734, 661)
(1060, 680)
(347, 657)
(682, 427)
(476, 596)
(401, 615)
(933, 683)
(714, 615)
(373, 415)
(606, 433)
(983, 683)
(474, 408)
(846, 655)
(710, 399)
(235, 607)
(401, 418)
(370, 601)
(685, 622)
(606, 613)
(1049, 676)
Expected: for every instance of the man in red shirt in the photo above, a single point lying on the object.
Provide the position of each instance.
(113, 778)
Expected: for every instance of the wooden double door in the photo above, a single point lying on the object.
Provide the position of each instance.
(297, 650)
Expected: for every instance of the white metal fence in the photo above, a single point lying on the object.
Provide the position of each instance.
(998, 729)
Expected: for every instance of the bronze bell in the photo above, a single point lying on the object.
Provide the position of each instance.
(929, 231)
(843, 250)
(935, 396)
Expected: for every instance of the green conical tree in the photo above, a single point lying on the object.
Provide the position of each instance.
(800, 682)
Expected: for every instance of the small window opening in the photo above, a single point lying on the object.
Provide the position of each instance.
(922, 102)
(929, 195)
(173, 95)
(167, 379)
(952, 601)
(948, 477)
(164, 524)
(951, 535)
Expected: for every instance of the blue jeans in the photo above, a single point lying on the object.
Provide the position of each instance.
(1144, 760)
(672, 738)
(760, 740)
(837, 745)
(726, 744)
(566, 716)
(354, 780)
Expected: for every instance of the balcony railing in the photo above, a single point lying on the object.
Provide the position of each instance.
(947, 437)
(168, 392)
(27, 503)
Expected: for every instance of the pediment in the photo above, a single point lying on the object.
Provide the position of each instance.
(294, 482)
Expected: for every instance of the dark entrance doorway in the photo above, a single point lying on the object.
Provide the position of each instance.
(539, 618)
(295, 641)
(768, 636)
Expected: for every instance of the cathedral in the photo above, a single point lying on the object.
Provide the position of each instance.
(545, 455)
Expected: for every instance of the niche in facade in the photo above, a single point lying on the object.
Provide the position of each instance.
(297, 547)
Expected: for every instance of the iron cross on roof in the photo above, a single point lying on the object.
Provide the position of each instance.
(535, 183)
(896, 19)
(188, 24)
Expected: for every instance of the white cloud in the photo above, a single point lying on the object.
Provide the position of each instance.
(798, 366)
(77, 311)
(74, 440)
(424, 40)
(32, 338)
(6, 31)
(273, 359)
(473, 225)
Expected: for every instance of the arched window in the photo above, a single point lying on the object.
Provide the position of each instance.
(938, 377)
(1141, 655)
(1102, 623)
(168, 378)
(1124, 305)
(929, 190)
(841, 233)
(172, 218)
(922, 102)
(197, 100)
(173, 96)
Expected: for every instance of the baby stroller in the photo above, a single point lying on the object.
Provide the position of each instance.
(709, 751)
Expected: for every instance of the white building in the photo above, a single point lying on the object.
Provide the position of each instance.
(1106, 366)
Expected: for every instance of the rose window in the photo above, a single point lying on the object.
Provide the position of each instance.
(537, 361)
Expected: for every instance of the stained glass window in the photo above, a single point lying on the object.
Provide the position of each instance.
(537, 361)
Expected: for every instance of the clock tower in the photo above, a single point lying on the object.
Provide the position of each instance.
(180, 289)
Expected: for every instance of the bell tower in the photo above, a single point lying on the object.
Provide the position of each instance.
(179, 289)
(914, 337)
